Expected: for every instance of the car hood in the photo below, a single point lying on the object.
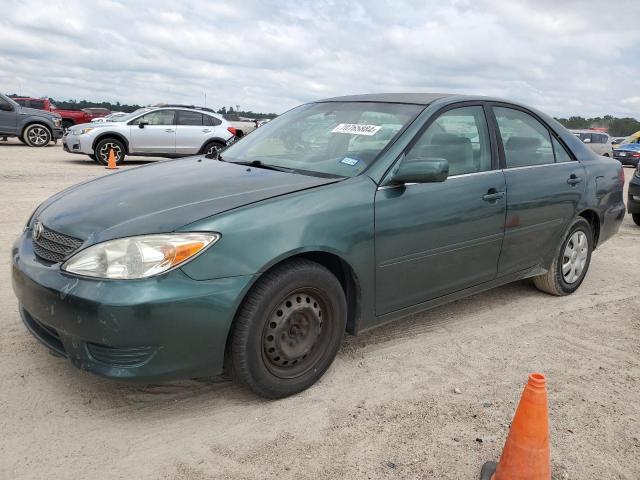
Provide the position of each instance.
(40, 113)
(163, 197)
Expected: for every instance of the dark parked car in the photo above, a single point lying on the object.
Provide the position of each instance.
(633, 201)
(627, 153)
(341, 214)
(35, 128)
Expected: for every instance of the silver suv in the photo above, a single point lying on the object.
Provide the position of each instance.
(168, 131)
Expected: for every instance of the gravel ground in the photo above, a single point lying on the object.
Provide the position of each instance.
(387, 408)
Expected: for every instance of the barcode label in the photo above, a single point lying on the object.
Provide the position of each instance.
(356, 129)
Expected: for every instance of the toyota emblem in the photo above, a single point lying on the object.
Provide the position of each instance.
(37, 230)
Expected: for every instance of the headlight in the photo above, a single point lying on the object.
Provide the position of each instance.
(80, 131)
(57, 122)
(139, 257)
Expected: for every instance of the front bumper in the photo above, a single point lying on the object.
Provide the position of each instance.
(77, 143)
(161, 328)
(633, 198)
(57, 133)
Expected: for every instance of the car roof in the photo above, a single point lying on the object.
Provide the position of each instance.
(415, 98)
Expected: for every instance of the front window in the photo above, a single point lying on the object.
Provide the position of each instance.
(332, 138)
(159, 117)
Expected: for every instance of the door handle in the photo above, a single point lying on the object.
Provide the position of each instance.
(169, 130)
(492, 195)
(574, 179)
(206, 130)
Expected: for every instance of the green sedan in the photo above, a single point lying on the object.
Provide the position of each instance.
(338, 216)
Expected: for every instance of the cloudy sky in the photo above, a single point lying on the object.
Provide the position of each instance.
(562, 56)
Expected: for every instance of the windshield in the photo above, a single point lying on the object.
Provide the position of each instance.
(332, 138)
(128, 116)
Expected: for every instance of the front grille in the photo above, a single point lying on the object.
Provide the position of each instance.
(120, 357)
(53, 246)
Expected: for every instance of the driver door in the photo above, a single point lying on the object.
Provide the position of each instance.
(154, 132)
(432, 239)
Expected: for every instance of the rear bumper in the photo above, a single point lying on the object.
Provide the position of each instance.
(626, 160)
(160, 328)
(633, 197)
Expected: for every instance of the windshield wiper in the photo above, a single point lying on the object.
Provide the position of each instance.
(266, 166)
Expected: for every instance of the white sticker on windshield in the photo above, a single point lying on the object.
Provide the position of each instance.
(356, 129)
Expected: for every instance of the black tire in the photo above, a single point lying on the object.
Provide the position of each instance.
(212, 147)
(93, 157)
(555, 281)
(605, 155)
(36, 135)
(101, 151)
(21, 138)
(67, 124)
(288, 330)
(636, 218)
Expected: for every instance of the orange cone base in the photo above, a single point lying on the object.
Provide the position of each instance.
(488, 469)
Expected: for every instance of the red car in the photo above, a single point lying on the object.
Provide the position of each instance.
(69, 117)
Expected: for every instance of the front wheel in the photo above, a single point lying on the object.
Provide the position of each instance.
(571, 263)
(107, 145)
(288, 330)
(37, 135)
(636, 218)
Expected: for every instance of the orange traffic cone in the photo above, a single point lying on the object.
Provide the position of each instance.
(112, 161)
(526, 454)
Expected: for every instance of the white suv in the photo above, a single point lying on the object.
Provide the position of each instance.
(168, 131)
(597, 141)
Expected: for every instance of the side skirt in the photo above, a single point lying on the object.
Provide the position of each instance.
(451, 297)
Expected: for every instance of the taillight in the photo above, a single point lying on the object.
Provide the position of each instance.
(232, 130)
(635, 155)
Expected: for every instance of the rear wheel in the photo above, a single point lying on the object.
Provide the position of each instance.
(37, 135)
(212, 148)
(571, 263)
(103, 147)
(289, 329)
(636, 218)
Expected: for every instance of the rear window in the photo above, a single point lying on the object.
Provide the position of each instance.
(210, 121)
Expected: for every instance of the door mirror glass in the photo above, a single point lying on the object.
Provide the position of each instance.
(422, 170)
(5, 106)
(142, 124)
(586, 140)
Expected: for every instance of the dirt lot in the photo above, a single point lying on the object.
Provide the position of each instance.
(386, 409)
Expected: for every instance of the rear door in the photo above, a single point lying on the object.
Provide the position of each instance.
(544, 185)
(8, 117)
(191, 131)
(154, 132)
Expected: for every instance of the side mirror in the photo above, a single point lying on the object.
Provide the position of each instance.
(6, 107)
(142, 124)
(421, 170)
(587, 140)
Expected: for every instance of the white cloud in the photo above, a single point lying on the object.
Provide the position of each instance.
(570, 57)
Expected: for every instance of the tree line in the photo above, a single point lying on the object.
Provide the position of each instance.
(124, 107)
(616, 127)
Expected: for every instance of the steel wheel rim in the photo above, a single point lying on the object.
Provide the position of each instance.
(104, 151)
(574, 257)
(38, 136)
(295, 333)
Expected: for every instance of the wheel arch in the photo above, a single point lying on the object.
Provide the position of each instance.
(210, 140)
(115, 135)
(593, 218)
(35, 121)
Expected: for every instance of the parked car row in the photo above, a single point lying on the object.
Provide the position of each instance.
(69, 117)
